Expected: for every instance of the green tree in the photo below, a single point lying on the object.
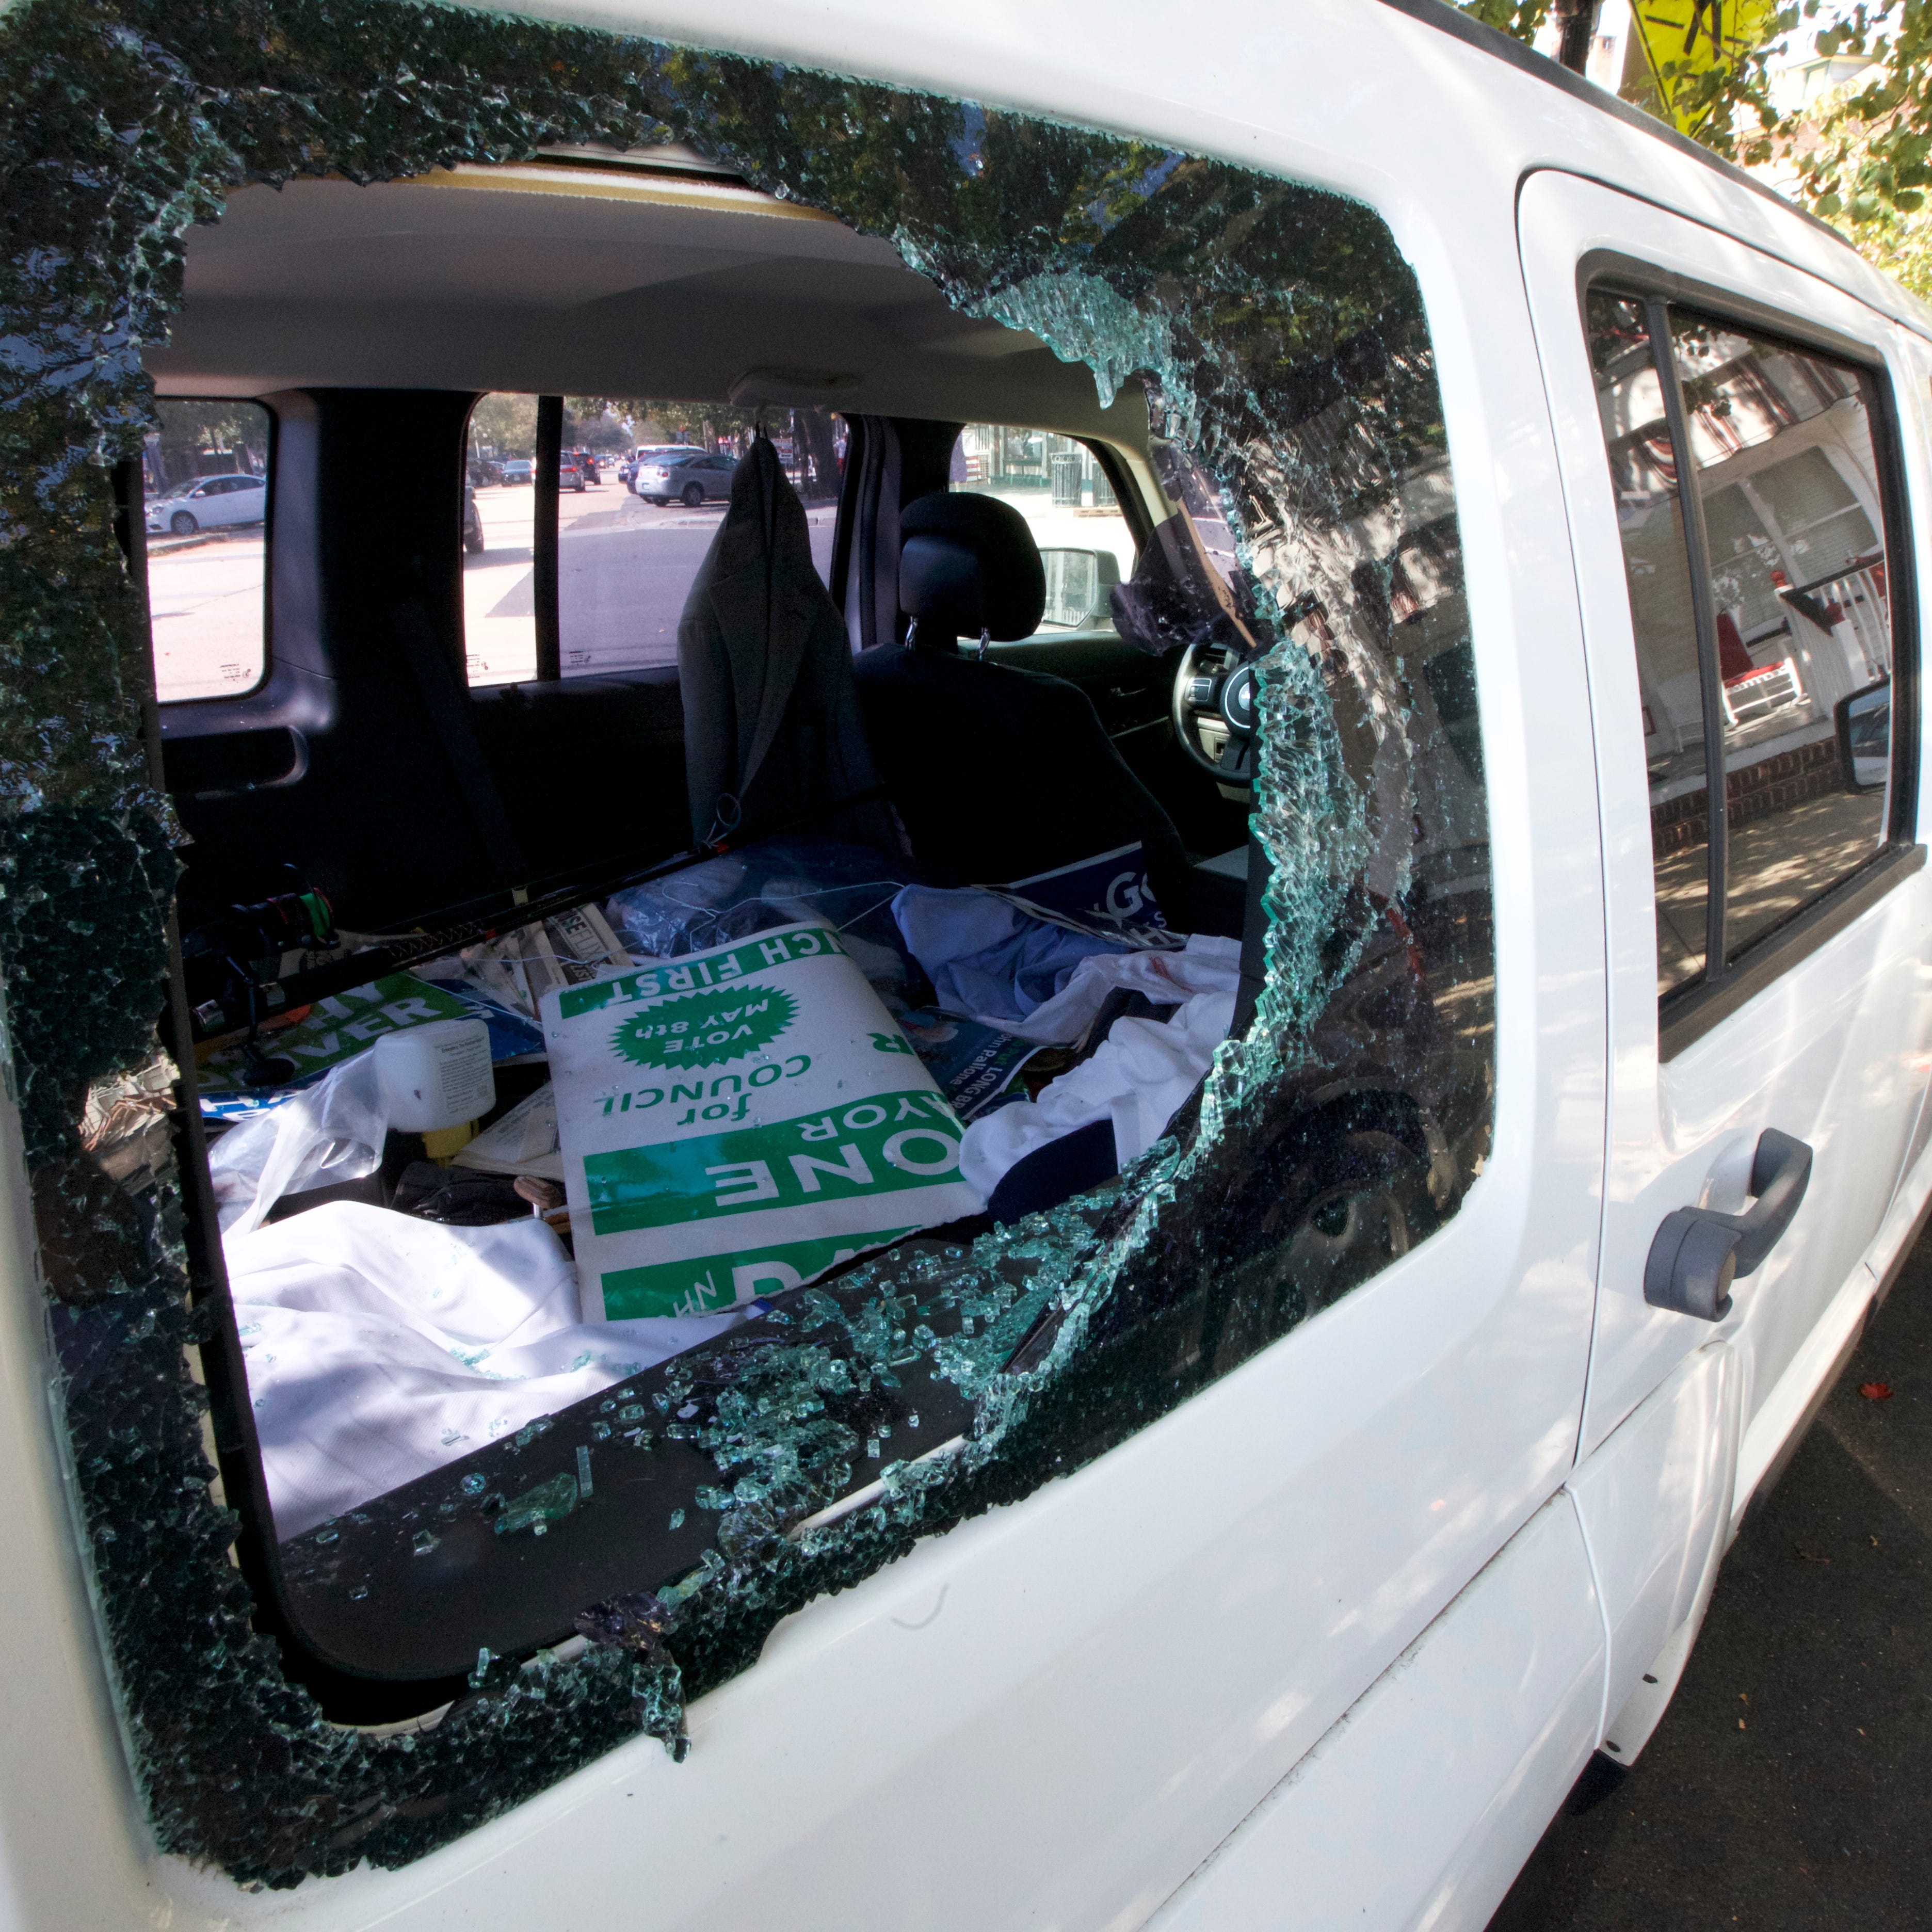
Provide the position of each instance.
(506, 425)
(1860, 157)
(198, 437)
(659, 419)
(1870, 156)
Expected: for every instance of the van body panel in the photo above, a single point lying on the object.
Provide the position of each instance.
(1001, 1688)
(1455, 1767)
(1099, 1681)
(1056, 1712)
(1654, 1501)
(1818, 1053)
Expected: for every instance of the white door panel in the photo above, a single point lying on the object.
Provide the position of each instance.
(1829, 1051)
(1654, 1501)
(1822, 1045)
(1050, 1714)
(1464, 1741)
(1912, 1200)
(1782, 1408)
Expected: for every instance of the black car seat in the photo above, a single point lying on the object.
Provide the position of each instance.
(998, 773)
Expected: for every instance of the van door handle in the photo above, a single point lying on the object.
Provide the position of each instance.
(1698, 1251)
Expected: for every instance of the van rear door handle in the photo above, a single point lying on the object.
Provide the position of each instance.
(1698, 1251)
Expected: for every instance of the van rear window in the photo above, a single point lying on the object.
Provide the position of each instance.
(586, 552)
(205, 479)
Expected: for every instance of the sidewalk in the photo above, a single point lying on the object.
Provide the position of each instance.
(1786, 1789)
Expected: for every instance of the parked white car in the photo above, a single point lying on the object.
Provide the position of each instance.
(1444, 1071)
(209, 503)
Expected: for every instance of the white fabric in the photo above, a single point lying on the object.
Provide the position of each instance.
(1208, 964)
(379, 1347)
(1139, 1074)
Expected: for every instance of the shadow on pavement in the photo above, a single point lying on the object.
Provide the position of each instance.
(1787, 1787)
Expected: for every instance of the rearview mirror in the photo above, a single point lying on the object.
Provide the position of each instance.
(1077, 582)
(1863, 720)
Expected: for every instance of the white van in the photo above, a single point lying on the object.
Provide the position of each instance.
(1236, 1457)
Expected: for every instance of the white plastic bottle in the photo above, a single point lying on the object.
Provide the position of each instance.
(437, 1081)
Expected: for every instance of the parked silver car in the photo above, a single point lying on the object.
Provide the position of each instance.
(652, 455)
(686, 479)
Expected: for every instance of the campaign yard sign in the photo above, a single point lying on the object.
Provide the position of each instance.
(734, 1122)
(1109, 895)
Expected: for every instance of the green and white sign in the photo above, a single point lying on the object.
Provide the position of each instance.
(738, 1121)
(343, 1025)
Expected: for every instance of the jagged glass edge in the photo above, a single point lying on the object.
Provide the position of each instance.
(128, 123)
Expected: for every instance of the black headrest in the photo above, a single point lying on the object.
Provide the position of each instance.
(968, 563)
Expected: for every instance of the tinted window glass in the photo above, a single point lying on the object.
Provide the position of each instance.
(1789, 476)
(1763, 632)
(499, 622)
(1630, 397)
(1058, 485)
(207, 547)
(629, 543)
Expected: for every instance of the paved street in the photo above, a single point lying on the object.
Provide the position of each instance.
(624, 569)
(205, 597)
(1786, 1789)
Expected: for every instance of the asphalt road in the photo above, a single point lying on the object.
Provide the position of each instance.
(624, 567)
(1786, 1789)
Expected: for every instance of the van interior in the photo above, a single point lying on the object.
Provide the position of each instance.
(463, 705)
(370, 319)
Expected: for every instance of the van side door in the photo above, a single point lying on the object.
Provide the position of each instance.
(1736, 477)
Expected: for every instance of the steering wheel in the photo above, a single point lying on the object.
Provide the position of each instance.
(1213, 712)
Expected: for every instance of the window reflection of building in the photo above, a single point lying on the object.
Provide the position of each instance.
(1784, 454)
(1785, 469)
(1787, 474)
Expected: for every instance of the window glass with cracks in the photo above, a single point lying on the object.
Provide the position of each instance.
(396, 1653)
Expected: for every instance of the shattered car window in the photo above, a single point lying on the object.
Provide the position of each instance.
(661, 1521)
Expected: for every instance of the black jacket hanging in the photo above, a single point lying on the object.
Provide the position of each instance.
(772, 729)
